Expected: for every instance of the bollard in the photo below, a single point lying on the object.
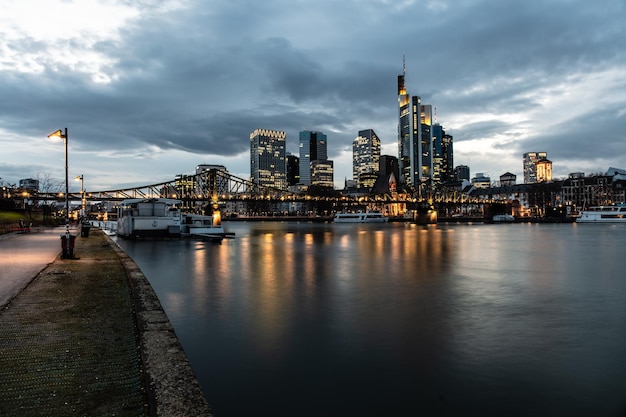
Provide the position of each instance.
(67, 247)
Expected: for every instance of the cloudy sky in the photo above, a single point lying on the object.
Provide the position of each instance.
(151, 88)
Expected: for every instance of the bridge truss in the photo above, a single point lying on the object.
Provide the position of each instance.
(219, 188)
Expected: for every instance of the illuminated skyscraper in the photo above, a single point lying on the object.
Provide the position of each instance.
(530, 160)
(365, 158)
(267, 158)
(426, 122)
(415, 145)
(313, 147)
(409, 134)
(443, 157)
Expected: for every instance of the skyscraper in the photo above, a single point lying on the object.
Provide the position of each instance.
(313, 147)
(267, 158)
(365, 158)
(415, 146)
(426, 122)
(530, 160)
(443, 156)
(409, 134)
(293, 169)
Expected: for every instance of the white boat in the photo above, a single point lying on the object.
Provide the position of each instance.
(603, 214)
(162, 217)
(203, 227)
(148, 217)
(503, 218)
(367, 217)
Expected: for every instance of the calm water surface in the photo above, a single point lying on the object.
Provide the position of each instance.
(297, 319)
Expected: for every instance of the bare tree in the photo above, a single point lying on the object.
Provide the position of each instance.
(50, 184)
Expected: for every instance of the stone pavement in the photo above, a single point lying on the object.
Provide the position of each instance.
(89, 337)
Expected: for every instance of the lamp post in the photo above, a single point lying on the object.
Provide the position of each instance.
(60, 134)
(82, 194)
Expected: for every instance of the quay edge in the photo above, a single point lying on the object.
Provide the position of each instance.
(173, 388)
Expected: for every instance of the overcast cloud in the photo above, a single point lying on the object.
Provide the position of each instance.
(151, 88)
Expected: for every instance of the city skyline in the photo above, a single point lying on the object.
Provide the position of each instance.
(150, 90)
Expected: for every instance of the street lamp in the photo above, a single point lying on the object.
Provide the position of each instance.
(60, 134)
(82, 194)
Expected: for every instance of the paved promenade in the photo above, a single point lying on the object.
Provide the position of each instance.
(89, 337)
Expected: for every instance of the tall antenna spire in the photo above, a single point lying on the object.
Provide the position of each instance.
(403, 65)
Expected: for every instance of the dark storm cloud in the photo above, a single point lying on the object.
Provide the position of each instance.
(200, 79)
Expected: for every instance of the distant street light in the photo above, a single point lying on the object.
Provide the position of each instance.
(82, 194)
(59, 134)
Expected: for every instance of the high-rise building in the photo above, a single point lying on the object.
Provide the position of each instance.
(313, 147)
(216, 183)
(530, 165)
(388, 165)
(443, 156)
(415, 145)
(365, 158)
(426, 122)
(267, 158)
(293, 169)
(462, 172)
(544, 170)
(322, 173)
(409, 134)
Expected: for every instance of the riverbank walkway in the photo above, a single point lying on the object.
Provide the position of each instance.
(88, 336)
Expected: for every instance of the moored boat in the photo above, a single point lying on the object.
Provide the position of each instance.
(361, 217)
(162, 217)
(203, 227)
(503, 218)
(615, 213)
(148, 217)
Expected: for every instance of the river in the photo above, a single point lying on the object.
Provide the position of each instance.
(314, 319)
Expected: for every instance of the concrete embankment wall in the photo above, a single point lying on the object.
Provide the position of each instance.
(172, 385)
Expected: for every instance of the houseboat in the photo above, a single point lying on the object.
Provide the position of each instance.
(162, 217)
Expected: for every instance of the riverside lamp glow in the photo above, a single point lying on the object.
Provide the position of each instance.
(82, 195)
(60, 134)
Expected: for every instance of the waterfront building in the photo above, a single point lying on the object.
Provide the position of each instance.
(507, 179)
(365, 158)
(580, 191)
(313, 147)
(267, 158)
(481, 181)
(322, 173)
(529, 160)
(543, 170)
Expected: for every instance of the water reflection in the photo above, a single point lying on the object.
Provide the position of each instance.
(394, 319)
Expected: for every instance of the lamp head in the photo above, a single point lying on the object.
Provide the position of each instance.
(57, 134)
